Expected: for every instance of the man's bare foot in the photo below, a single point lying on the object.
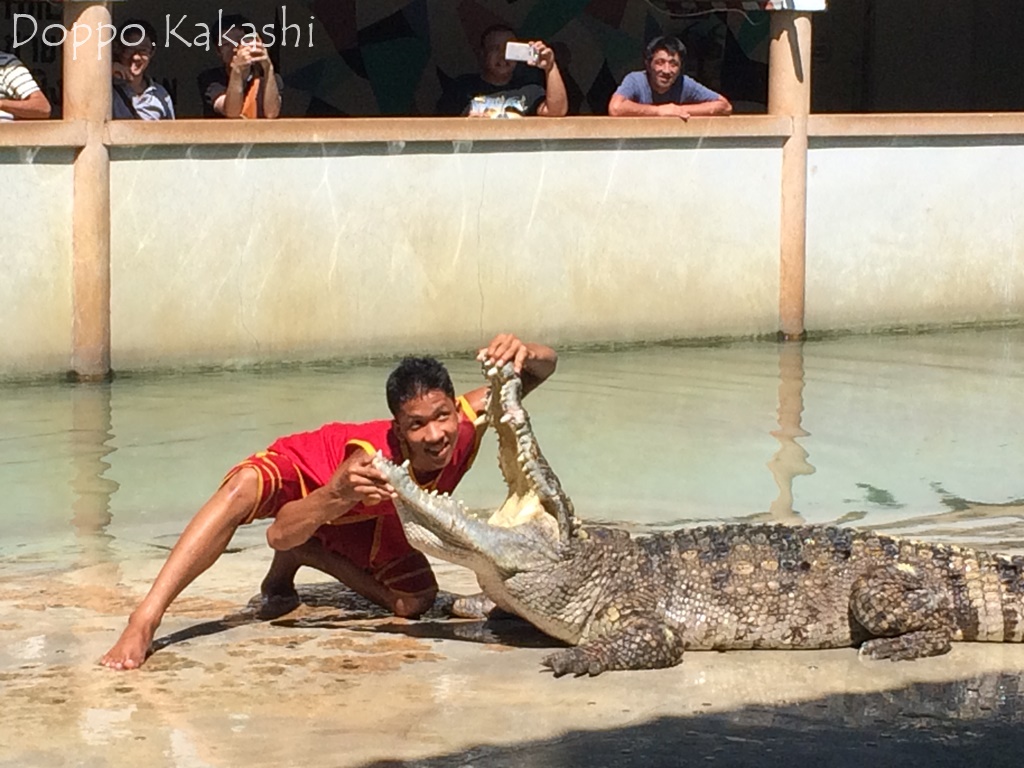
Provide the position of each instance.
(275, 604)
(277, 592)
(131, 649)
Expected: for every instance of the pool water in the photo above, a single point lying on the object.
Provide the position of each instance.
(920, 434)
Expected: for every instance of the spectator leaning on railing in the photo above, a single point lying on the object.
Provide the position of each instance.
(20, 97)
(136, 96)
(662, 90)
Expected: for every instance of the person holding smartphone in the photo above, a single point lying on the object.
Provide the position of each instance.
(535, 84)
(246, 85)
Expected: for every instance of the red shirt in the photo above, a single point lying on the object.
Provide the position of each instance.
(370, 536)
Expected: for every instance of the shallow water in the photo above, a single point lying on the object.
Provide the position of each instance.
(921, 434)
(918, 435)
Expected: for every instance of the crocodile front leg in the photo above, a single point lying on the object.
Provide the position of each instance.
(640, 642)
(909, 617)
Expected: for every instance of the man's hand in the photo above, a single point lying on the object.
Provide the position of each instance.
(354, 481)
(357, 480)
(250, 54)
(674, 110)
(534, 362)
(545, 56)
(505, 347)
(556, 98)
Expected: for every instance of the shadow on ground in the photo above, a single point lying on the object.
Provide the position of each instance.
(975, 722)
(335, 606)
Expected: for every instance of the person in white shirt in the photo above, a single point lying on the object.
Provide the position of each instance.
(20, 96)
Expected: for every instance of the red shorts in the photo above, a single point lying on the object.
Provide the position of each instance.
(373, 542)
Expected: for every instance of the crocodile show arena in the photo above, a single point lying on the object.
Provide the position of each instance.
(809, 311)
(914, 434)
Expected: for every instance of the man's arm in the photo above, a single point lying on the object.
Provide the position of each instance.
(719, 106)
(534, 362)
(35, 106)
(701, 101)
(355, 480)
(631, 100)
(245, 58)
(271, 93)
(229, 103)
(620, 106)
(556, 99)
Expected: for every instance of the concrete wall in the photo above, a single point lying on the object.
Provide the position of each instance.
(239, 254)
(227, 255)
(914, 231)
(35, 256)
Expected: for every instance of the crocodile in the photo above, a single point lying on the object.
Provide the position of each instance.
(623, 603)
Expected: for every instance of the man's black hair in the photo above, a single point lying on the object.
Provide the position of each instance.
(416, 376)
(666, 43)
(491, 30)
(132, 26)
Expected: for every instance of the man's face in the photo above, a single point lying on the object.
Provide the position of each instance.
(428, 426)
(134, 59)
(494, 67)
(663, 70)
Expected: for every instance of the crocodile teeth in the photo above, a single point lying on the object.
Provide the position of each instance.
(480, 420)
(505, 419)
(492, 371)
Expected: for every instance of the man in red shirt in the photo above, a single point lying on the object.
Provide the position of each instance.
(331, 509)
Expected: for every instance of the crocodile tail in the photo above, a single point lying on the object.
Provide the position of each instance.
(1000, 603)
(988, 593)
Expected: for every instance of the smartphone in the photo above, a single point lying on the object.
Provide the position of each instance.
(520, 52)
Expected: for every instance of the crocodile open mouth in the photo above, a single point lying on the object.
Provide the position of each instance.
(534, 493)
(536, 513)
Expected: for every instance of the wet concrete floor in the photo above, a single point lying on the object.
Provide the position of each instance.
(338, 683)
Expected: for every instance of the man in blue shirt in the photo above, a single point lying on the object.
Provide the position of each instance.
(662, 90)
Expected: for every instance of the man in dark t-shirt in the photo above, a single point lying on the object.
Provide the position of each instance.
(506, 86)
